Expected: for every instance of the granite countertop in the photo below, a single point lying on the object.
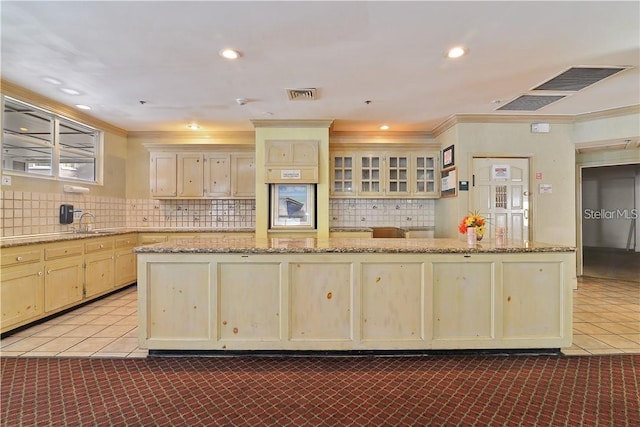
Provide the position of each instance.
(7, 242)
(249, 245)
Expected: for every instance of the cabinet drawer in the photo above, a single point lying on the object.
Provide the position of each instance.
(126, 241)
(18, 256)
(98, 245)
(150, 239)
(62, 250)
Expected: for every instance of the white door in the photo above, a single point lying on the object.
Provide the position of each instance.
(500, 193)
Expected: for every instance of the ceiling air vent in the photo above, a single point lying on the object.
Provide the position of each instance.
(577, 78)
(530, 102)
(307, 94)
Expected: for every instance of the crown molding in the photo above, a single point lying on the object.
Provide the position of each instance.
(194, 137)
(14, 91)
(292, 123)
(532, 118)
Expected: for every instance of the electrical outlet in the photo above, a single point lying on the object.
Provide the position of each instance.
(6, 180)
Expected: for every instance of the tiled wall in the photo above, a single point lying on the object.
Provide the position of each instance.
(354, 213)
(223, 214)
(25, 213)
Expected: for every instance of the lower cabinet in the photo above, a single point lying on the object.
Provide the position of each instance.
(63, 283)
(341, 301)
(21, 295)
(43, 279)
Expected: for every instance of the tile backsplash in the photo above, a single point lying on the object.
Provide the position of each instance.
(26, 213)
(355, 213)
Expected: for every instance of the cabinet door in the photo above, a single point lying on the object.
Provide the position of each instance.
(125, 267)
(370, 175)
(99, 273)
(343, 174)
(425, 171)
(163, 175)
(63, 283)
(397, 168)
(21, 295)
(190, 175)
(217, 175)
(244, 175)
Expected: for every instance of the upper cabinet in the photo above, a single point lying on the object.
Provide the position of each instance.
(291, 161)
(202, 174)
(391, 174)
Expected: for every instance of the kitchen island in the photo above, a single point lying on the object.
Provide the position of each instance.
(288, 294)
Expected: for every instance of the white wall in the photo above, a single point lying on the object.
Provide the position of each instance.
(553, 156)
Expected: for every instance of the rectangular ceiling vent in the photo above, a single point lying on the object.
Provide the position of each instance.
(307, 94)
(577, 78)
(530, 102)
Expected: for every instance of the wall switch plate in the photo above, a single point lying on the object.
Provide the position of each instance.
(6, 180)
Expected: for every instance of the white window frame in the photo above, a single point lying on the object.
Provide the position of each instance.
(57, 149)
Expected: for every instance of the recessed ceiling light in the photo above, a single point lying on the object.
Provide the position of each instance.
(230, 54)
(384, 127)
(456, 52)
(70, 91)
(193, 126)
(23, 129)
(83, 107)
(52, 80)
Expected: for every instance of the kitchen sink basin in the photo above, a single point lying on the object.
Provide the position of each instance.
(387, 232)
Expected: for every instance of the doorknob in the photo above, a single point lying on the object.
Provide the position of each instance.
(526, 193)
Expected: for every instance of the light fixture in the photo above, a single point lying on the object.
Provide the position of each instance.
(83, 107)
(70, 91)
(193, 126)
(384, 127)
(23, 129)
(52, 80)
(456, 52)
(229, 54)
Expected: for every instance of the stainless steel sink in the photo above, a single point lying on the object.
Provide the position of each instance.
(387, 232)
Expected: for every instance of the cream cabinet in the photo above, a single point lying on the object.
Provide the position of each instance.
(198, 175)
(21, 286)
(230, 175)
(125, 265)
(291, 161)
(384, 174)
(64, 275)
(163, 173)
(190, 182)
(99, 266)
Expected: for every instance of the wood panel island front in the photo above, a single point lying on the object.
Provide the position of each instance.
(303, 294)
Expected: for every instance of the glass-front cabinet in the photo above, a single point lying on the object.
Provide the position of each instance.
(397, 168)
(370, 175)
(424, 166)
(410, 173)
(343, 174)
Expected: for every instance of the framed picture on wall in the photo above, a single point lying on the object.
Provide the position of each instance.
(293, 206)
(448, 182)
(448, 159)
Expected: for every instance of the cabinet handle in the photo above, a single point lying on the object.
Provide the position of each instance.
(49, 271)
(112, 257)
(19, 258)
(39, 273)
(101, 246)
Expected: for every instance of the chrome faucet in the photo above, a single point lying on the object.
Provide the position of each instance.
(87, 225)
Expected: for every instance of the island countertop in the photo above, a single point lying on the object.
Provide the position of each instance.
(250, 245)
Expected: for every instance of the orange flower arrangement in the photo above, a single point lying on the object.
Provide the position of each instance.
(473, 220)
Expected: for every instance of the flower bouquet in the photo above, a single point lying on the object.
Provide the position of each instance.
(473, 220)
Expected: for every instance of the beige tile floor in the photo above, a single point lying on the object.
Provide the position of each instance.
(606, 321)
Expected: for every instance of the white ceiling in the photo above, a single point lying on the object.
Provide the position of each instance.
(390, 53)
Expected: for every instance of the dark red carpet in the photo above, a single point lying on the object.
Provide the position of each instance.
(327, 391)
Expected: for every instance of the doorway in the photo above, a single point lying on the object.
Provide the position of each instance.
(501, 194)
(609, 218)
